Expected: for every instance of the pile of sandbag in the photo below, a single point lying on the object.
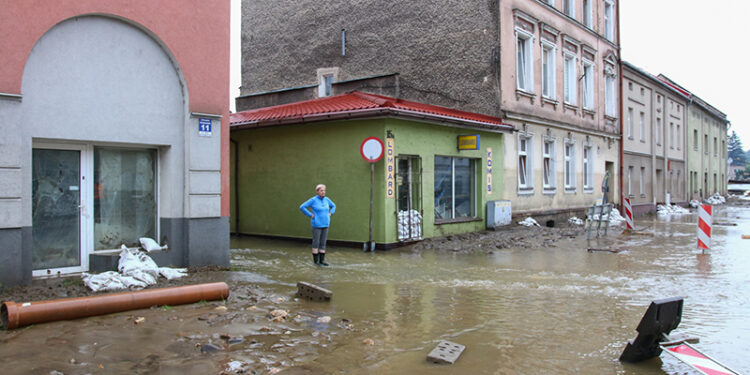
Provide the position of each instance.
(136, 271)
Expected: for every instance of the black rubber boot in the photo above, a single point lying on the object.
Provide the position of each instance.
(316, 258)
(322, 261)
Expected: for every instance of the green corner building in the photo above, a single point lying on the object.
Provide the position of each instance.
(424, 185)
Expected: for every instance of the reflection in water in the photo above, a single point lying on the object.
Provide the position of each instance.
(551, 310)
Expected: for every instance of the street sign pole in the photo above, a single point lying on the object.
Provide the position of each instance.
(371, 150)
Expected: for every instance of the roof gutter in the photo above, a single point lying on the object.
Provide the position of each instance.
(376, 112)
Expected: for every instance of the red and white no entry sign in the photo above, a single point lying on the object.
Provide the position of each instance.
(372, 149)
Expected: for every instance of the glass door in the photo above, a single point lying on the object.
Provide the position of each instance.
(56, 207)
(409, 198)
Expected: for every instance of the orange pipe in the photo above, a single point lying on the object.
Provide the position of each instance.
(16, 315)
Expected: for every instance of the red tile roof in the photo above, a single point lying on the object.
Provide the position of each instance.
(358, 105)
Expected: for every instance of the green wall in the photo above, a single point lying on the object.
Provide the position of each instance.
(279, 167)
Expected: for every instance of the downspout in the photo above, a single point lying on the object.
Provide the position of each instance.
(619, 58)
(236, 185)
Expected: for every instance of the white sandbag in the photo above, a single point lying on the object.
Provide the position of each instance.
(528, 222)
(149, 244)
(172, 273)
(575, 221)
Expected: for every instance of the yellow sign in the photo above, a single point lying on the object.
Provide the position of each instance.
(468, 142)
(390, 169)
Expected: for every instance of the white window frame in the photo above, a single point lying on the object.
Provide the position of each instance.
(527, 39)
(525, 169)
(609, 95)
(588, 85)
(588, 168)
(326, 78)
(658, 131)
(642, 125)
(570, 78)
(671, 135)
(609, 27)
(588, 14)
(642, 182)
(569, 8)
(549, 83)
(630, 181)
(629, 123)
(569, 165)
(548, 165)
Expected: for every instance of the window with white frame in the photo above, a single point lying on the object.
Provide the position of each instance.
(642, 181)
(548, 70)
(570, 165)
(630, 181)
(548, 161)
(630, 123)
(678, 138)
(671, 135)
(524, 61)
(588, 169)
(609, 25)
(609, 95)
(588, 14)
(525, 166)
(588, 85)
(658, 132)
(569, 8)
(642, 126)
(570, 73)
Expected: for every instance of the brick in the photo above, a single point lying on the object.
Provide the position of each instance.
(446, 352)
(313, 292)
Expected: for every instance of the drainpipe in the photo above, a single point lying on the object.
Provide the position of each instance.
(619, 57)
(236, 185)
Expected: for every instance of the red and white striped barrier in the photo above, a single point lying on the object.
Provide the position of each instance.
(704, 226)
(695, 359)
(628, 213)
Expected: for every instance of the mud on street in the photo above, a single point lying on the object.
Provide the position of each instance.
(497, 292)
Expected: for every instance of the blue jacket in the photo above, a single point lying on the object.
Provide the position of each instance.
(321, 207)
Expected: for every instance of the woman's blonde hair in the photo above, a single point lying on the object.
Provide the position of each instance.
(319, 186)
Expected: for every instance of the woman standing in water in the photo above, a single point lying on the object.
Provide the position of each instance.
(320, 217)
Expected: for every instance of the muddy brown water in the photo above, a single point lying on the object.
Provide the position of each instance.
(546, 309)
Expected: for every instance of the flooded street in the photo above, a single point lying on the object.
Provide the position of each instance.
(533, 310)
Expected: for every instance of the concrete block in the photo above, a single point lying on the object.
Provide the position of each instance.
(313, 292)
(446, 352)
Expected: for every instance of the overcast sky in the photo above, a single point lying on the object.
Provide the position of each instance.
(698, 44)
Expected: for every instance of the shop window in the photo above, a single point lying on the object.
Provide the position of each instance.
(455, 188)
(124, 196)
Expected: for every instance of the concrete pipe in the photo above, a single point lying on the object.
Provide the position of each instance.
(16, 315)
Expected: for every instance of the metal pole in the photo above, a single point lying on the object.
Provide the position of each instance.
(372, 183)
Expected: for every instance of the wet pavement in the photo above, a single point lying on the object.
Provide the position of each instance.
(546, 307)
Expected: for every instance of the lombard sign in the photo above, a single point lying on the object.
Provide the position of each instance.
(390, 165)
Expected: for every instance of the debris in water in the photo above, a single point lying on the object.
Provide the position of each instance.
(368, 342)
(139, 320)
(446, 352)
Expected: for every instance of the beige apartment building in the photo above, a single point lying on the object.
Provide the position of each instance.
(706, 145)
(654, 123)
(560, 90)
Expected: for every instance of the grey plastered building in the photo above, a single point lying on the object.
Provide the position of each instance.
(549, 68)
(111, 129)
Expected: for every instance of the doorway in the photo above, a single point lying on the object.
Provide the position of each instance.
(409, 198)
(87, 199)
